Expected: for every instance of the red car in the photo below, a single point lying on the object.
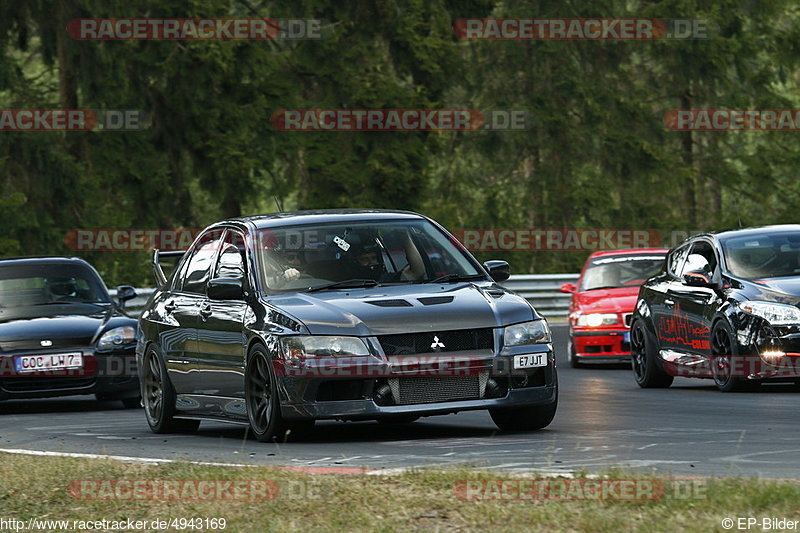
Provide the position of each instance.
(602, 304)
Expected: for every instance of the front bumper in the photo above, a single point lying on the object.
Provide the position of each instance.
(370, 389)
(368, 409)
(601, 345)
(111, 374)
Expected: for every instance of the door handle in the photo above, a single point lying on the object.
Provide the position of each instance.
(205, 311)
(170, 306)
(669, 303)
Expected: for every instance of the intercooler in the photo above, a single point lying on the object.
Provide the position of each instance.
(414, 390)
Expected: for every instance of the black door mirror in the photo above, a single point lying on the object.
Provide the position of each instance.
(697, 271)
(698, 278)
(225, 289)
(498, 270)
(125, 293)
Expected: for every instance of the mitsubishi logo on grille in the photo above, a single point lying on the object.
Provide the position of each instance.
(436, 344)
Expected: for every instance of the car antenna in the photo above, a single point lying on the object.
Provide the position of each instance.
(278, 203)
(740, 222)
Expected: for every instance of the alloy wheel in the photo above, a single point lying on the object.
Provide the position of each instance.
(260, 394)
(638, 355)
(153, 387)
(721, 350)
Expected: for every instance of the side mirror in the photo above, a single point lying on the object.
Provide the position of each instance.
(498, 270)
(698, 278)
(125, 293)
(568, 287)
(225, 289)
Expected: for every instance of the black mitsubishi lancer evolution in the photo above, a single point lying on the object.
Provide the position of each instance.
(279, 320)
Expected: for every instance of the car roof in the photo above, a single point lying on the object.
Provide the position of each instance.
(756, 230)
(629, 251)
(322, 216)
(29, 260)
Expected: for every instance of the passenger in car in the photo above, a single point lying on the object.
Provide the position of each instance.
(367, 260)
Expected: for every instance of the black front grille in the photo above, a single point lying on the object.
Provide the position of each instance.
(33, 345)
(627, 318)
(45, 384)
(448, 341)
(408, 391)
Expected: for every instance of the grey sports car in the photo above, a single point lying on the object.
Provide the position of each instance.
(279, 320)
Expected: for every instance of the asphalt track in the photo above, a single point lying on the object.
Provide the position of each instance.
(604, 420)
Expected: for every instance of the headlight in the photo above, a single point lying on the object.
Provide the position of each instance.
(318, 346)
(773, 357)
(535, 332)
(598, 319)
(775, 314)
(117, 337)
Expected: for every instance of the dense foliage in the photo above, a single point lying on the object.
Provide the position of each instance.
(598, 154)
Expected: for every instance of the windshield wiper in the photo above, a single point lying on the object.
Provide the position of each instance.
(346, 284)
(67, 302)
(606, 287)
(449, 278)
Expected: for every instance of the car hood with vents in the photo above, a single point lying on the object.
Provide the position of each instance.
(414, 308)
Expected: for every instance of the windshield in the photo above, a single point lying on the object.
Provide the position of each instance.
(616, 271)
(763, 256)
(359, 254)
(45, 284)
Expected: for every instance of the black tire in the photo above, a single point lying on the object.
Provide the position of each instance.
(528, 418)
(159, 397)
(571, 358)
(724, 357)
(646, 369)
(263, 402)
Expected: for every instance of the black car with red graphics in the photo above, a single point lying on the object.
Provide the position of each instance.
(725, 307)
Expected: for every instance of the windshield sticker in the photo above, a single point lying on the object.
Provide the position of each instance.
(341, 243)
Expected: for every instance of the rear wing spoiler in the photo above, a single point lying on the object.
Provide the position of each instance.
(161, 279)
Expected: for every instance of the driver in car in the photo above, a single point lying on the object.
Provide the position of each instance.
(62, 289)
(284, 268)
(292, 262)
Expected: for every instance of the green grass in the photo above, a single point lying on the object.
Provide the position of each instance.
(425, 500)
